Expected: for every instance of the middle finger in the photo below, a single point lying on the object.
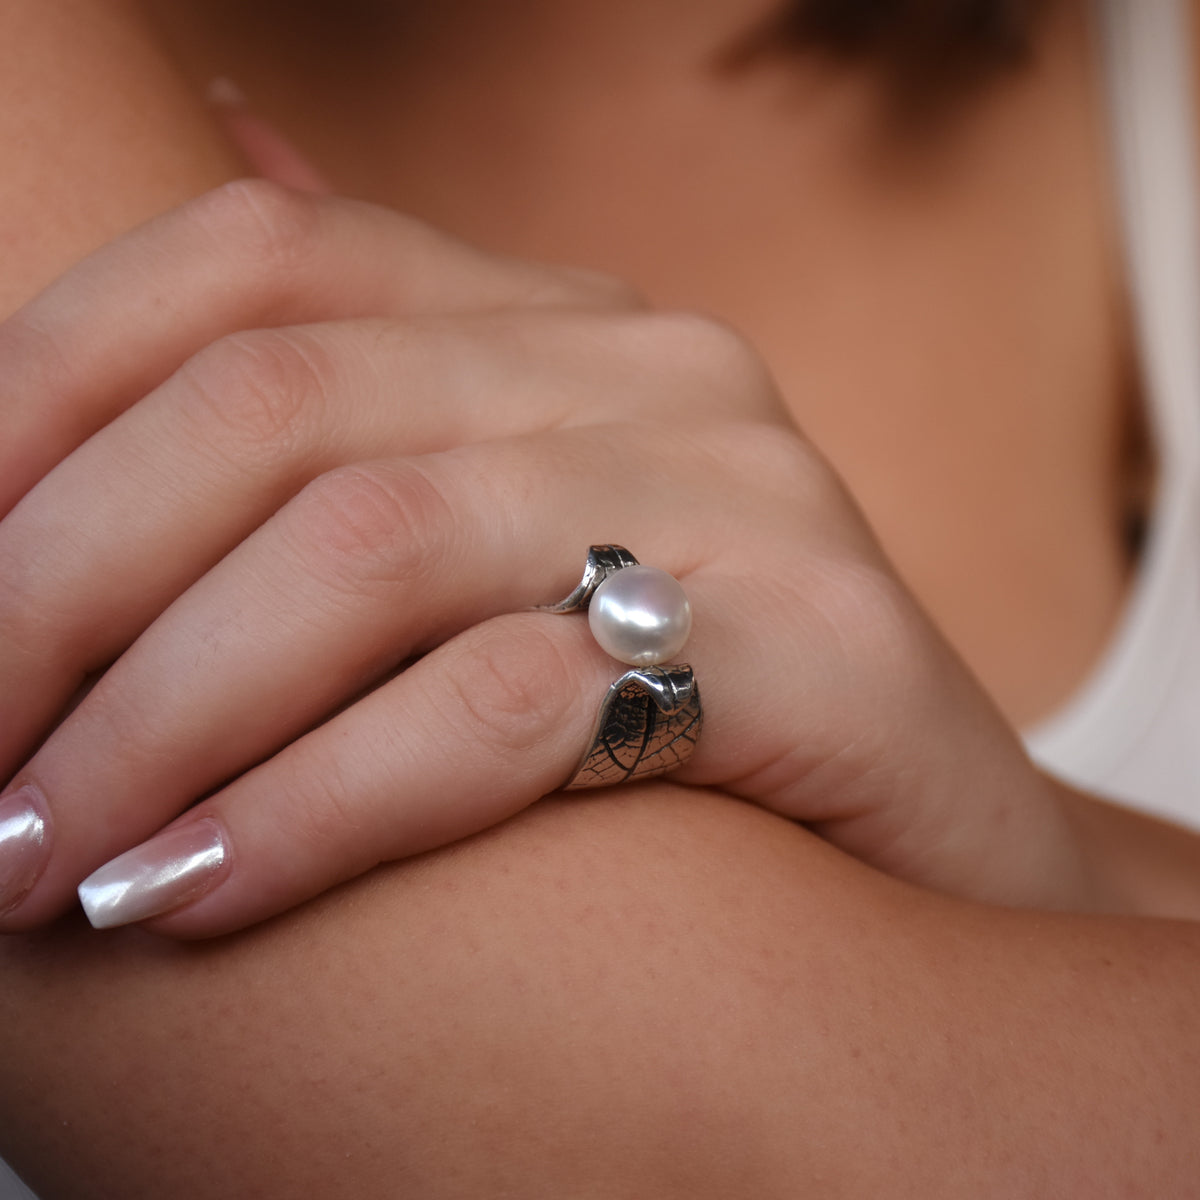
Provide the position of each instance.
(151, 502)
(367, 566)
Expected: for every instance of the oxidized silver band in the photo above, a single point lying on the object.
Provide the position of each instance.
(649, 722)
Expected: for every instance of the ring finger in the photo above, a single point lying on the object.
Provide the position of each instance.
(367, 566)
(94, 553)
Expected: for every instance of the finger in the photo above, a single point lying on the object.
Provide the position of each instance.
(806, 673)
(477, 729)
(151, 502)
(365, 567)
(250, 254)
(505, 710)
(267, 151)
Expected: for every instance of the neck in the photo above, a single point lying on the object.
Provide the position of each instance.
(601, 133)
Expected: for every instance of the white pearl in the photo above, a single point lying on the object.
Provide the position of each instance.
(640, 615)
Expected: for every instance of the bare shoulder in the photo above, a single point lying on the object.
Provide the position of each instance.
(97, 132)
(660, 992)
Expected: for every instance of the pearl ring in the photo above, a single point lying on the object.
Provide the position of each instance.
(650, 719)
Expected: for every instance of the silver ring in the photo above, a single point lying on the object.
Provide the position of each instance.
(650, 719)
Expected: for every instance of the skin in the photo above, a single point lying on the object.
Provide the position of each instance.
(147, 144)
(1004, 216)
(484, 1022)
(474, 1102)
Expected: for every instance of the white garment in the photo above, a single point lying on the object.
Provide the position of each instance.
(1133, 731)
(11, 1188)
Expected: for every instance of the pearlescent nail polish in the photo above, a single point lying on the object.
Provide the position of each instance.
(24, 845)
(178, 865)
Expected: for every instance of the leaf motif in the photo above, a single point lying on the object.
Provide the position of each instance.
(648, 724)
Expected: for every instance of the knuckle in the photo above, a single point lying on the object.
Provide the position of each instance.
(711, 344)
(372, 523)
(713, 365)
(260, 225)
(511, 687)
(32, 357)
(788, 466)
(609, 291)
(46, 619)
(126, 710)
(770, 454)
(326, 803)
(870, 620)
(254, 393)
(582, 287)
(33, 628)
(777, 463)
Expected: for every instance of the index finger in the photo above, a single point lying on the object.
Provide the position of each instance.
(248, 255)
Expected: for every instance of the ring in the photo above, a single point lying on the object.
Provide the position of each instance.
(649, 722)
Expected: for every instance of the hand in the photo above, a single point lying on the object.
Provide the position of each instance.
(274, 447)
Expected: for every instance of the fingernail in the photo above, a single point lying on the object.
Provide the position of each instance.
(224, 93)
(179, 865)
(24, 845)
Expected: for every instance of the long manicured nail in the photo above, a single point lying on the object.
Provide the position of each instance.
(179, 865)
(24, 845)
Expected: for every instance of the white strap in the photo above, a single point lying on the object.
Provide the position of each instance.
(1117, 719)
